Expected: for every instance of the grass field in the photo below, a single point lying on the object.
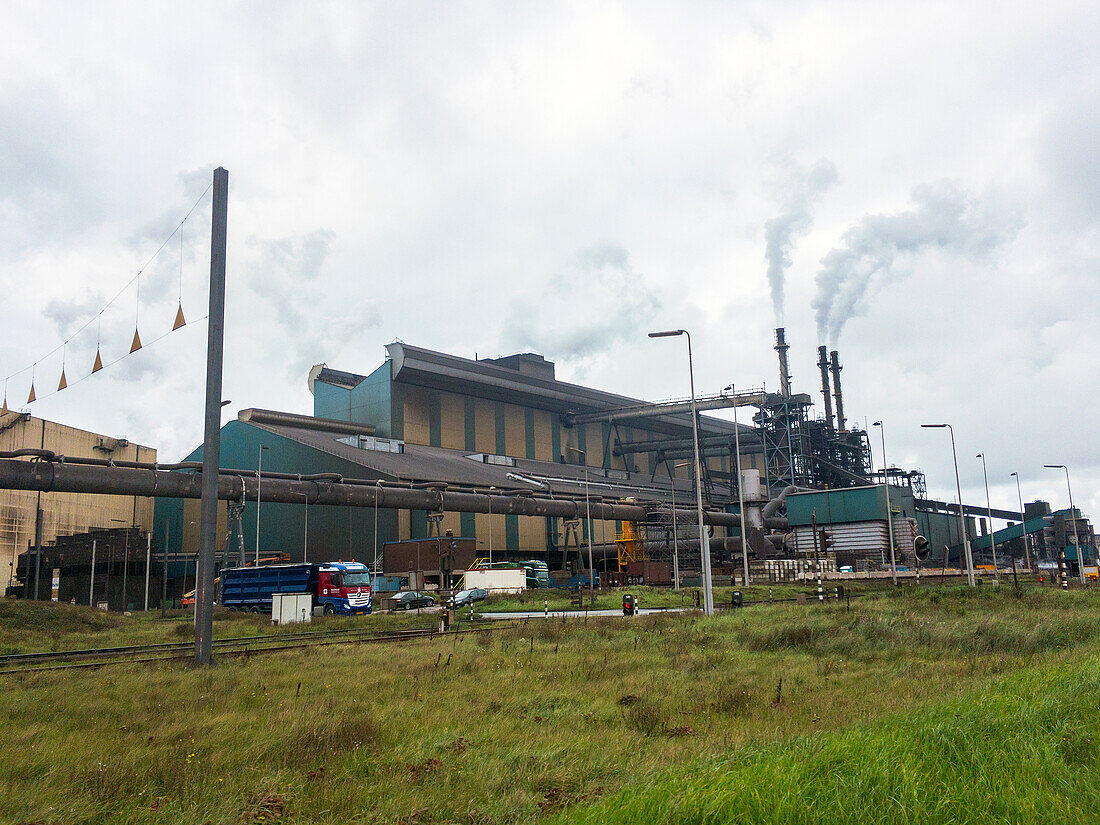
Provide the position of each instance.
(930, 706)
(559, 599)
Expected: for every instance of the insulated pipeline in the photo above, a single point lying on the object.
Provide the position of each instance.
(71, 477)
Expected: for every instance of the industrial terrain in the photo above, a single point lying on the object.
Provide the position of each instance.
(936, 704)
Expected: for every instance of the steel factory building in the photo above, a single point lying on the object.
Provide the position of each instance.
(30, 520)
(425, 417)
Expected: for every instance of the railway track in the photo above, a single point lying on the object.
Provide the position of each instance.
(17, 663)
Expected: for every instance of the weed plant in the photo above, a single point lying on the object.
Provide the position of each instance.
(900, 700)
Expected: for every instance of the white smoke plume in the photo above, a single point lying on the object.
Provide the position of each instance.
(881, 248)
(801, 195)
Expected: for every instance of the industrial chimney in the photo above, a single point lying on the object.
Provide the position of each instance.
(781, 347)
(836, 391)
(823, 363)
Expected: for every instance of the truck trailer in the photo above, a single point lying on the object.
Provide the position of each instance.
(336, 586)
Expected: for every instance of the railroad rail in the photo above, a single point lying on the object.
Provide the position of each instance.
(16, 663)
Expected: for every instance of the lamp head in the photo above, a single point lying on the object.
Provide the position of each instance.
(876, 423)
(1013, 474)
(933, 426)
(668, 333)
(1055, 466)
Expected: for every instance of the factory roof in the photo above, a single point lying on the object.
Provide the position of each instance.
(398, 461)
(1034, 525)
(526, 379)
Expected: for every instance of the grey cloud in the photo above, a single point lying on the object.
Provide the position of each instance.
(287, 274)
(285, 267)
(1068, 155)
(595, 303)
(882, 248)
(45, 154)
(802, 193)
(321, 341)
(182, 245)
(69, 315)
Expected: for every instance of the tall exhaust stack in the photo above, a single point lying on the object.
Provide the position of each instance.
(781, 347)
(836, 391)
(823, 363)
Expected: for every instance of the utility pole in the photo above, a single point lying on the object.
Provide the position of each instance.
(164, 570)
(91, 583)
(889, 513)
(148, 561)
(37, 548)
(211, 452)
(989, 517)
(740, 490)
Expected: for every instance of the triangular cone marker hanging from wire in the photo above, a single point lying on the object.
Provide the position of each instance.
(62, 383)
(30, 398)
(136, 344)
(180, 320)
(98, 365)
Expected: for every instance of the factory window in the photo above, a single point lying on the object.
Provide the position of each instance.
(378, 445)
(621, 475)
(489, 458)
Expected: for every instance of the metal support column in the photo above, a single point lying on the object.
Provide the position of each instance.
(211, 452)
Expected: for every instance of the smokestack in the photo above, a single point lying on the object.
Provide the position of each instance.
(823, 363)
(781, 347)
(836, 392)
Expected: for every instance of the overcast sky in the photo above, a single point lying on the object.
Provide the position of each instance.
(919, 186)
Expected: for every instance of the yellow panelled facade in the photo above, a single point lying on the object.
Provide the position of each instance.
(64, 513)
(456, 421)
(453, 421)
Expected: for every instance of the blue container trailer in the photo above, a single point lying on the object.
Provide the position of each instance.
(338, 587)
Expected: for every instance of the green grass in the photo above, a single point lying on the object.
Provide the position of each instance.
(558, 599)
(1026, 751)
(579, 717)
(31, 627)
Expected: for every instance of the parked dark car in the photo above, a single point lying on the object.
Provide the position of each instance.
(412, 599)
(465, 597)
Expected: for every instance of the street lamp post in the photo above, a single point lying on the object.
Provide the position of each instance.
(259, 475)
(1072, 515)
(958, 489)
(91, 584)
(889, 514)
(675, 537)
(125, 561)
(305, 531)
(587, 513)
(148, 561)
(490, 497)
(740, 491)
(989, 516)
(1023, 521)
(704, 543)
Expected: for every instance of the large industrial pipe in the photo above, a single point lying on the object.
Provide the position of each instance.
(835, 367)
(66, 477)
(823, 364)
(781, 347)
(773, 506)
(750, 443)
(729, 543)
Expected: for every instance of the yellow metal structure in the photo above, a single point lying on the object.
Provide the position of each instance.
(629, 544)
